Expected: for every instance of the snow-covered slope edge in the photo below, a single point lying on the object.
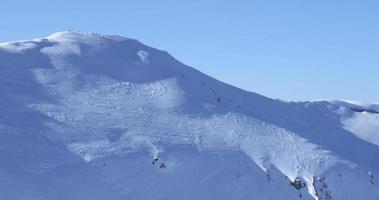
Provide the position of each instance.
(357, 106)
(88, 116)
(363, 121)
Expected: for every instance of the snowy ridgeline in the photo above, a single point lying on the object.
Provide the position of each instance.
(89, 116)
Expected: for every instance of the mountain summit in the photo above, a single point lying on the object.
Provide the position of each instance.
(89, 116)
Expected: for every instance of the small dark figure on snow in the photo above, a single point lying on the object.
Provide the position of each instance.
(163, 165)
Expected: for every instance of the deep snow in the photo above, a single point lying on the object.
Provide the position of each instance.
(90, 116)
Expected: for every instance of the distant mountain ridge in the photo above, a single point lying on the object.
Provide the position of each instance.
(357, 106)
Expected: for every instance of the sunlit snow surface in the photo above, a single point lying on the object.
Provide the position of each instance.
(364, 125)
(89, 116)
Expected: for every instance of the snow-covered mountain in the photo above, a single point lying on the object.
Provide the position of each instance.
(92, 117)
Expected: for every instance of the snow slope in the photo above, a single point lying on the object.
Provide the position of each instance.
(90, 116)
(364, 121)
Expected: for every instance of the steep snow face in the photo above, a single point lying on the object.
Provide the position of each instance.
(105, 117)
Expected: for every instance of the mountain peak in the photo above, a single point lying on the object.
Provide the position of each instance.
(77, 35)
(88, 53)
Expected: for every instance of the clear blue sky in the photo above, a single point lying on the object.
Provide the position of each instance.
(288, 49)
